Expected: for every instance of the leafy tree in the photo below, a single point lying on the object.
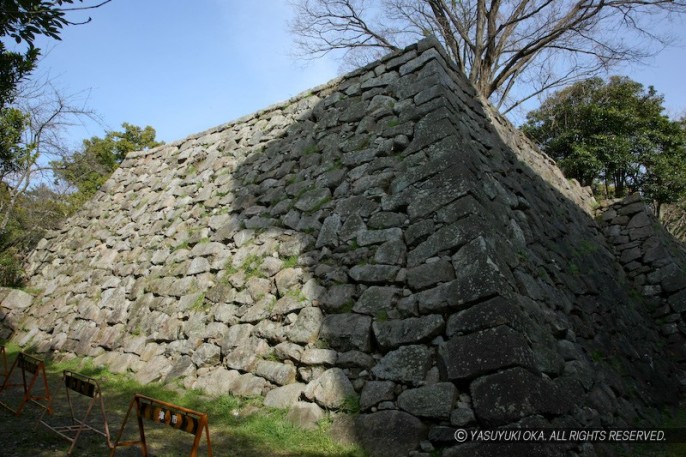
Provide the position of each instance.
(89, 168)
(37, 210)
(31, 125)
(614, 134)
(22, 21)
(504, 47)
(12, 124)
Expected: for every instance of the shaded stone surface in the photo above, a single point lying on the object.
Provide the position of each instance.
(469, 356)
(395, 332)
(435, 400)
(346, 332)
(389, 433)
(516, 393)
(375, 392)
(405, 364)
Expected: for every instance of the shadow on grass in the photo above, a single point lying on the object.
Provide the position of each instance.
(238, 427)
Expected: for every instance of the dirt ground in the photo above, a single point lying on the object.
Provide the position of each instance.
(24, 435)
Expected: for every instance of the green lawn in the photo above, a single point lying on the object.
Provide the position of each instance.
(238, 426)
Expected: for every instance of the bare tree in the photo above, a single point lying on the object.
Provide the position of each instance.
(48, 114)
(498, 44)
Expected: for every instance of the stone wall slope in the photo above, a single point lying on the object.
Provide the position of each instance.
(375, 241)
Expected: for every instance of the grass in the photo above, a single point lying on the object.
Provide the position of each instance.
(291, 262)
(677, 420)
(251, 266)
(312, 149)
(393, 123)
(199, 303)
(238, 426)
(182, 245)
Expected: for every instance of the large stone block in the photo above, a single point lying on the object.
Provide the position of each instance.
(473, 355)
(429, 274)
(447, 238)
(375, 392)
(305, 415)
(395, 332)
(307, 327)
(285, 396)
(374, 274)
(376, 299)
(491, 313)
(434, 401)
(405, 364)
(389, 433)
(278, 373)
(345, 332)
(516, 393)
(217, 381)
(332, 389)
(480, 273)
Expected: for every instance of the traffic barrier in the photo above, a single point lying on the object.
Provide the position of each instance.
(3, 355)
(36, 367)
(161, 412)
(86, 387)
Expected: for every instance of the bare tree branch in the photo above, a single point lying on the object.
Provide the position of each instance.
(497, 43)
(49, 112)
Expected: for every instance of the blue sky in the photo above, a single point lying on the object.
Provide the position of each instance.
(185, 66)
(181, 66)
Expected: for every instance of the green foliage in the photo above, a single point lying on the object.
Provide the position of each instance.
(35, 211)
(381, 315)
(394, 122)
(23, 21)
(11, 272)
(291, 262)
(251, 266)
(297, 294)
(199, 303)
(597, 356)
(12, 125)
(613, 135)
(351, 404)
(89, 168)
(311, 149)
(573, 268)
(181, 245)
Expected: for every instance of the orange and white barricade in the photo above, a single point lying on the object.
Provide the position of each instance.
(89, 395)
(31, 369)
(161, 412)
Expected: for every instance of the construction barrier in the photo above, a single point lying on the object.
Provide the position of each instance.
(161, 412)
(36, 367)
(3, 356)
(86, 387)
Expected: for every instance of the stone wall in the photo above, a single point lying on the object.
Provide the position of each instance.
(655, 262)
(384, 239)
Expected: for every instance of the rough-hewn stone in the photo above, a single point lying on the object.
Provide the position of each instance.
(389, 433)
(390, 226)
(331, 390)
(469, 356)
(345, 332)
(405, 364)
(305, 415)
(375, 392)
(284, 397)
(393, 333)
(435, 400)
(516, 393)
